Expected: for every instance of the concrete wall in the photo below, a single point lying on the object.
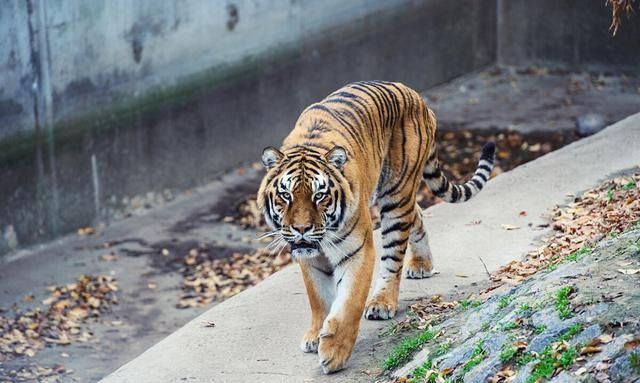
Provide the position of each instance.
(84, 55)
(117, 103)
(571, 34)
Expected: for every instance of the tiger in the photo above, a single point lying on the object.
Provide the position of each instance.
(369, 142)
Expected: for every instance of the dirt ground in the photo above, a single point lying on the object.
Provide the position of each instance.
(147, 252)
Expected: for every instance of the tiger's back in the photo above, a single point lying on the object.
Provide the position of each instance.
(385, 127)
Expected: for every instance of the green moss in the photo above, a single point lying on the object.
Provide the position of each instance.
(504, 301)
(545, 367)
(524, 307)
(525, 359)
(507, 354)
(568, 357)
(634, 360)
(476, 358)
(466, 304)
(509, 326)
(540, 328)
(562, 302)
(571, 332)
(579, 254)
(426, 372)
(548, 360)
(629, 186)
(402, 352)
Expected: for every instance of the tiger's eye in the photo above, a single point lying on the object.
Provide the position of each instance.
(319, 196)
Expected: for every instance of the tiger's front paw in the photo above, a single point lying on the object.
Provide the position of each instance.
(419, 268)
(380, 308)
(310, 341)
(336, 344)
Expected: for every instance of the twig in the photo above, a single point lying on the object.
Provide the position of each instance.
(485, 267)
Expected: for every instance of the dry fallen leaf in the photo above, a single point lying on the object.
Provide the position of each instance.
(632, 344)
(510, 227)
(580, 371)
(109, 257)
(590, 350)
(86, 231)
(629, 271)
(604, 338)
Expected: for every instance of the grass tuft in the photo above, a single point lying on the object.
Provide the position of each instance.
(579, 254)
(507, 354)
(540, 328)
(476, 358)
(402, 352)
(634, 360)
(562, 302)
(466, 304)
(504, 301)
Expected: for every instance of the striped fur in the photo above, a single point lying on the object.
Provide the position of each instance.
(368, 142)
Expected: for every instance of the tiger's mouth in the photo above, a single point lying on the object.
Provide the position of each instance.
(304, 249)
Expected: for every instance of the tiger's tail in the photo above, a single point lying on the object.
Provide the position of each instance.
(440, 185)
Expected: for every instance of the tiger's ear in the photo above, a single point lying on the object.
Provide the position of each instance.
(271, 156)
(337, 157)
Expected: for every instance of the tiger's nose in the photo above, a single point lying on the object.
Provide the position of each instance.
(302, 228)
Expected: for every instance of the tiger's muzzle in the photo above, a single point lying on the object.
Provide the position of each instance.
(304, 241)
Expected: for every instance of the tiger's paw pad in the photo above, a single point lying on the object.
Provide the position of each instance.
(379, 311)
(310, 342)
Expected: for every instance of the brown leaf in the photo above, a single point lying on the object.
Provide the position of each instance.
(86, 231)
(632, 344)
(590, 350)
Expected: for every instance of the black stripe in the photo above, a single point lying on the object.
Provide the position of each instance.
(392, 271)
(394, 243)
(391, 257)
(436, 174)
(455, 194)
(348, 256)
(398, 226)
(477, 183)
(484, 167)
(348, 233)
(467, 192)
(443, 188)
(405, 213)
(421, 236)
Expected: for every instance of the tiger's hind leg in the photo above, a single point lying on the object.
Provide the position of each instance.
(420, 262)
(396, 229)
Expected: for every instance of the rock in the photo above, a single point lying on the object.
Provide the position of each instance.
(554, 329)
(621, 368)
(587, 335)
(590, 123)
(485, 370)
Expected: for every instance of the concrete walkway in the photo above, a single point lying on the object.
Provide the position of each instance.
(257, 332)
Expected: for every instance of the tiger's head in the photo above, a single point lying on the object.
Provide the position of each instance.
(304, 197)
